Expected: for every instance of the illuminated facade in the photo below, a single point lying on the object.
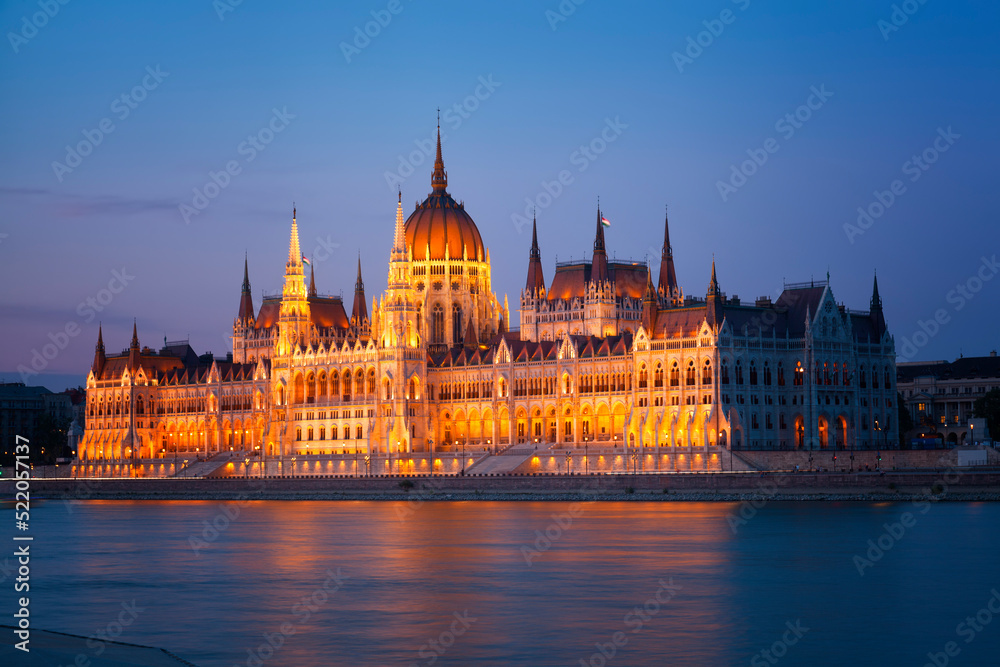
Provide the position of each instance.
(603, 357)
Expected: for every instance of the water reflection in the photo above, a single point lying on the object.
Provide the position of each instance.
(538, 583)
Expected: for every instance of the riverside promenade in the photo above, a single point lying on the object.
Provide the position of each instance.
(943, 483)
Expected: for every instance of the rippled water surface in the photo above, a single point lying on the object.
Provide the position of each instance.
(407, 571)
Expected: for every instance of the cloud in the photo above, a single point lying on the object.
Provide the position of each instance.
(82, 206)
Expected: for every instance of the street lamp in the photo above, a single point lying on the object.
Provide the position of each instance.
(972, 434)
(569, 462)
(586, 456)
(463, 456)
(293, 466)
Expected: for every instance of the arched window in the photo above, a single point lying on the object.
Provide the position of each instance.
(874, 377)
(863, 378)
(359, 432)
(643, 377)
(753, 371)
(689, 378)
(725, 371)
(739, 371)
(334, 385)
(781, 374)
(675, 375)
(658, 376)
(799, 374)
(706, 372)
(767, 374)
(456, 324)
(371, 382)
(359, 383)
(888, 379)
(845, 375)
(347, 385)
(437, 324)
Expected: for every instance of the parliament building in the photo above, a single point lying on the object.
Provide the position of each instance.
(606, 354)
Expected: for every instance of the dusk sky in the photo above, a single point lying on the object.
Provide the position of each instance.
(667, 121)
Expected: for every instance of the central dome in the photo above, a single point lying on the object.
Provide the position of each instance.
(440, 225)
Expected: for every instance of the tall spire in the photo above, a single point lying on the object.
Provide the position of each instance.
(399, 236)
(649, 305)
(133, 349)
(294, 249)
(667, 284)
(599, 265)
(536, 281)
(878, 317)
(439, 179)
(714, 312)
(99, 355)
(246, 312)
(312, 280)
(360, 313)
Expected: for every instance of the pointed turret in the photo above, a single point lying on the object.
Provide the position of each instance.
(649, 305)
(599, 265)
(878, 317)
(471, 338)
(714, 313)
(667, 284)
(312, 280)
(360, 313)
(294, 249)
(246, 313)
(399, 234)
(133, 348)
(99, 356)
(439, 179)
(536, 281)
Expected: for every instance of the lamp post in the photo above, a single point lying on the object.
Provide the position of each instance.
(972, 434)
(293, 466)
(463, 457)
(586, 456)
(569, 462)
(368, 461)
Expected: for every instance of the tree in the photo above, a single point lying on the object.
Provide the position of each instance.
(987, 407)
(903, 419)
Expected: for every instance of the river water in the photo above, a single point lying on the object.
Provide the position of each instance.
(533, 583)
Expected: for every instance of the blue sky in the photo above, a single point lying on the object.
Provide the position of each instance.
(888, 95)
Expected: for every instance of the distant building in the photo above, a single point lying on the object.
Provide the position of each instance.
(603, 357)
(22, 406)
(940, 396)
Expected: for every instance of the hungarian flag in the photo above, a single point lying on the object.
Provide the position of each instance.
(305, 260)
(605, 221)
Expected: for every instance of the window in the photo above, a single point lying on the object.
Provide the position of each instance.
(725, 372)
(781, 374)
(322, 433)
(359, 432)
(333, 432)
(739, 372)
(799, 374)
(456, 324)
(567, 428)
(874, 377)
(298, 435)
(437, 324)
(753, 371)
(643, 377)
(706, 372)
(689, 375)
(658, 376)
(767, 374)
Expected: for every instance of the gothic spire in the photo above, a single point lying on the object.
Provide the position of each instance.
(667, 283)
(246, 297)
(133, 350)
(312, 280)
(439, 179)
(399, 235)
(294, 249)
(878, 317)
(599, 264)
(135, 336)
(99, 355)
(536, 280)
(714, 312)
(360, 312)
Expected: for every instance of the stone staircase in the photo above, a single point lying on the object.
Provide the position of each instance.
(503, 463)
(205, 468)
